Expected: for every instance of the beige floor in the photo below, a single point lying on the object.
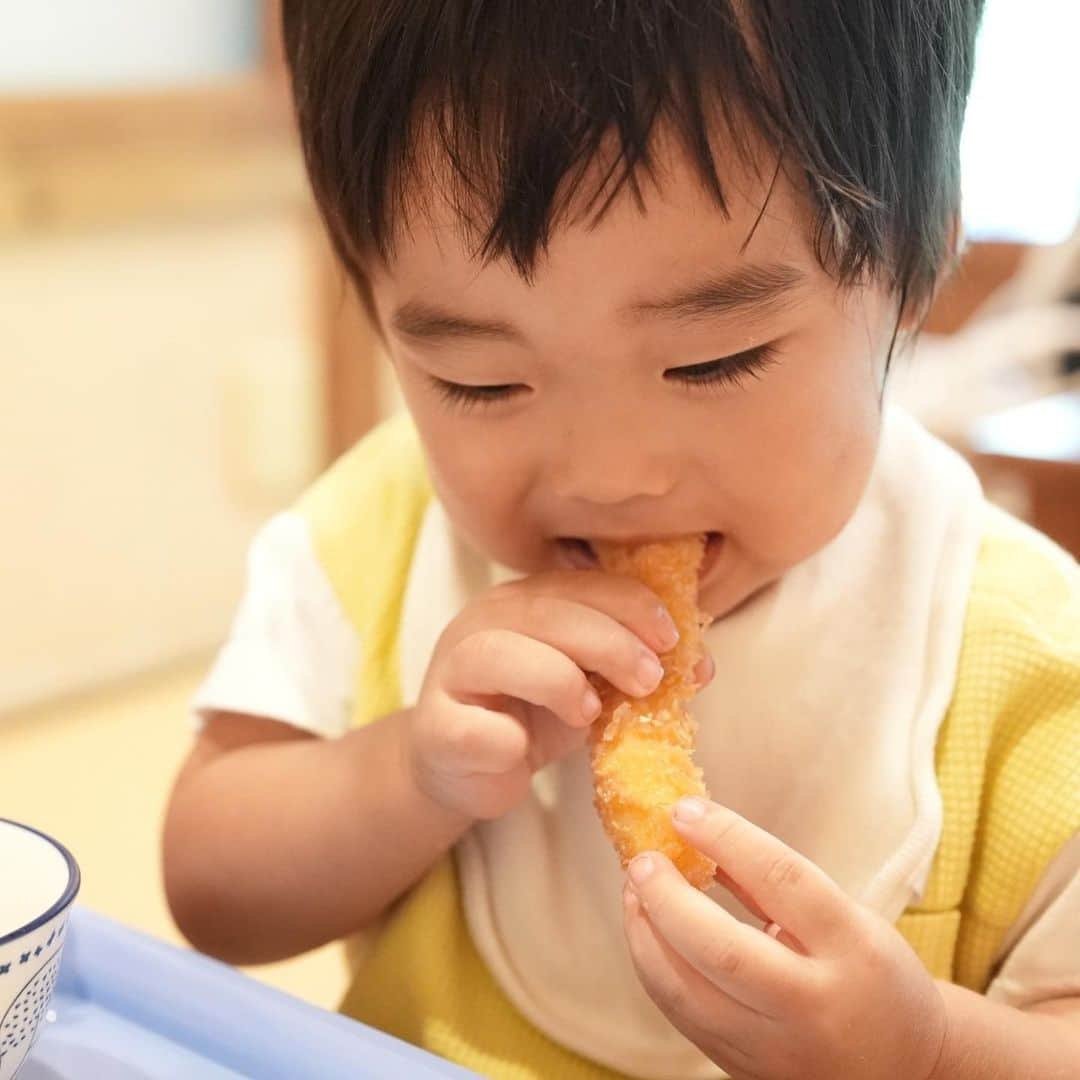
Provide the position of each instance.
(95, 772)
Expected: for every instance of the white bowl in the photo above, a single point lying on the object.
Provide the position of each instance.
(38, 882)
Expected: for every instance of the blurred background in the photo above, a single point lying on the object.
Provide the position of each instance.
(179, 357)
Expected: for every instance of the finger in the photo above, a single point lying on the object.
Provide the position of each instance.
(623, 599)
(710, 1019)
(549, 738)
(743, 962)
(502, 663)
(730, 885)
(739, 893)
(785, 887)
(772, 929)
(473, 740)
(705, 670)
(594, 640)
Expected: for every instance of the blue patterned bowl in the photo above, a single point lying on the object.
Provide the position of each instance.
(38, 883)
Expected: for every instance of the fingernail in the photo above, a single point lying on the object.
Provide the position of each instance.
(641, 869)
(649, 672)
(590, 706)
(705, 670)
(669, 632)
(690, 810)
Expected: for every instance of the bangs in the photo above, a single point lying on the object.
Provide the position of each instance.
(520, 110)
(553, 116)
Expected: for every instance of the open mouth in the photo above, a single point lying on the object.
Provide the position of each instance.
(580, 554)
(577, 553)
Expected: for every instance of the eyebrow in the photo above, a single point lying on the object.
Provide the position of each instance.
(750, 290)
(427, 322)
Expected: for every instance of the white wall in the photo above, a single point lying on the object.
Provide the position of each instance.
(1021, 151)
(58, 45)
(159, 397)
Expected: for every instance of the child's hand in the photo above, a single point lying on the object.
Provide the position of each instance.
(506, 692)
(836, 992)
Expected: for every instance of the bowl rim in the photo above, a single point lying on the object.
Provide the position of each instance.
(66, 897)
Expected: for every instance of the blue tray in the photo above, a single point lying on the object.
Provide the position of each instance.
(129, 1007)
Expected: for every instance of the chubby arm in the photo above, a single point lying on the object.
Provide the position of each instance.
(276, 841)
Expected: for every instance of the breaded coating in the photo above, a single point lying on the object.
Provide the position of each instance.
(642, 748)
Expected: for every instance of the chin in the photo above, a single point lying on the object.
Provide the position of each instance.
(724, 597)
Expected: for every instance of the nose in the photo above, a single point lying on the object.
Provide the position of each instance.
(606, 467)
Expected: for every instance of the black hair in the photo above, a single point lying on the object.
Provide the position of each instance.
(861, 100)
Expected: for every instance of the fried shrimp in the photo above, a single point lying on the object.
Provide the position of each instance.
(642, 748)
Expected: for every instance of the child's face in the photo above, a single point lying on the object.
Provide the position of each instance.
(601, 432)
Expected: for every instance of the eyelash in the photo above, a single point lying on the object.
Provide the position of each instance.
(730, 371)
(471, 397)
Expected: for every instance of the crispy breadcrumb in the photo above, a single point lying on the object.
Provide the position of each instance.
(642, 748)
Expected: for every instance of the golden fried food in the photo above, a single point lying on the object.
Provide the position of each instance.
(642, 748)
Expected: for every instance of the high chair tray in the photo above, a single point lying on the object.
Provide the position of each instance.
(130, 1007)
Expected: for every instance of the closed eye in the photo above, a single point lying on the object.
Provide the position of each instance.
(732, 370)
(467, 397)
(729, 371)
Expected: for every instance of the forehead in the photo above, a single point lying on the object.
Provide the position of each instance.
(675, 230)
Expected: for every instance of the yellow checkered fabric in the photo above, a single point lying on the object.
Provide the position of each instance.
(1008, 757)
(1008, 766)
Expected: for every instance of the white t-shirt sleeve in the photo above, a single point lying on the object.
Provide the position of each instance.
(291, 654)
(1040, 957)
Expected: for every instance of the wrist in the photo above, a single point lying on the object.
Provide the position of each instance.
(941, 1052)
(988, 1039)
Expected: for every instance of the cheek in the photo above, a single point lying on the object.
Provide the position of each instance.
(479, 474)
(471, 472)
(834, 424)
(816, 436)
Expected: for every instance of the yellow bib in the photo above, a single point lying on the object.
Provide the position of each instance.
(1008, 767)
